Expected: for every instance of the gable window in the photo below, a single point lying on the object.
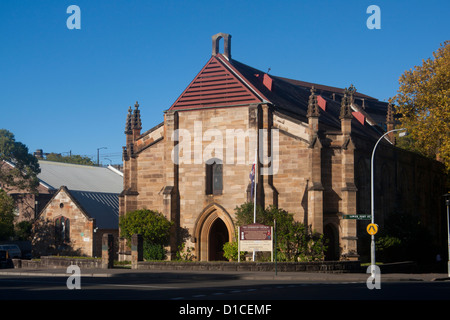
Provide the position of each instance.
(214, 176)
(62, 229)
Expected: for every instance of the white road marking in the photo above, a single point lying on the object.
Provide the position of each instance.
(139, 286)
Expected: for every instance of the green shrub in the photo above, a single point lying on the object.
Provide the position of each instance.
(230, 251)
(154, 228)
(185, 254)
(154, 251)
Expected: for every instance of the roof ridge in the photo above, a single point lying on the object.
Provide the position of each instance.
(68, 163)
(319, 86)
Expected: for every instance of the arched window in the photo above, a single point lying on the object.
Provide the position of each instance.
(214, 176)
(62, 229)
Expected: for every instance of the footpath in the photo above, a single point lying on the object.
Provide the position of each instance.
(244, 275)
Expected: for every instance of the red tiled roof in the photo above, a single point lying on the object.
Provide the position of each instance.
(225, 83)
(216, 85)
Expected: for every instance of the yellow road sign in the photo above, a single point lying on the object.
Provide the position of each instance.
(372, 229)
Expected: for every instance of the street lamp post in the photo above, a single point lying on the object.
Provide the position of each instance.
(98, 155)
(447, 203)
(372, 200)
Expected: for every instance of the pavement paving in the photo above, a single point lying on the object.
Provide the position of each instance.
(244, 275)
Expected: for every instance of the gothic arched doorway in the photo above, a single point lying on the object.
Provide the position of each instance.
(213, 228)
(331, 236)
(218, 236)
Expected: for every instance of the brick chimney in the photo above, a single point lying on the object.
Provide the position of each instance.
(39, 153)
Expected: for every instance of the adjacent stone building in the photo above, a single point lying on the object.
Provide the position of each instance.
(28, 203)
(84, 206)
(313, 142)
(80, 219)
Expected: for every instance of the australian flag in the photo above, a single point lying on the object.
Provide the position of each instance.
(252, 181)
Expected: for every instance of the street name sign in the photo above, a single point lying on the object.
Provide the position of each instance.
(358, 216)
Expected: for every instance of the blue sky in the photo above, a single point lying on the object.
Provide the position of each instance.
(67, 90)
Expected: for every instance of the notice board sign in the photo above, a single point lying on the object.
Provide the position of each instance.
(255, 231)
(255, 237)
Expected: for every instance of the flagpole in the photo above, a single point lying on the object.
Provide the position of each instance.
(254, 190)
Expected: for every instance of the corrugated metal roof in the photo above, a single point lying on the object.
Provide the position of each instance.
(103, 207)
(80, 177)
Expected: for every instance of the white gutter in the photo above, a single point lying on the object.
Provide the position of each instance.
(115, 170)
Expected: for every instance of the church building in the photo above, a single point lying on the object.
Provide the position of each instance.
(312, 144)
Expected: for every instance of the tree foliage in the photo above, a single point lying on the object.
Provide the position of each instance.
(23, 230)
(44, 241)
(295, 241)
(6, 215)
(404, 238)
(23, 175)
(76, 159)
(423, 106)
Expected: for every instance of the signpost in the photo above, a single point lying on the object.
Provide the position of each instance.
(357, 216)
(255, 237)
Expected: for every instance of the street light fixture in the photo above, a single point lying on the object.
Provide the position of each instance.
(447, 203)
(372, 200)
(98, 158)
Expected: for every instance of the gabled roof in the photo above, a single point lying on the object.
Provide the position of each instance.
(103, 207)
(224, 82)
(80, 177)
(216, 85)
